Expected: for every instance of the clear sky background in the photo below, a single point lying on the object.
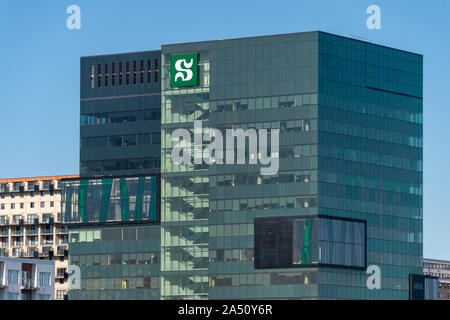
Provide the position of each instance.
(40, 69)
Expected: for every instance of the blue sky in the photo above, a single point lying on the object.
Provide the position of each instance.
(39, 68)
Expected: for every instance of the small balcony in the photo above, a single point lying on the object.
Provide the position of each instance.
(4, 222)
(4, 233)
(62, 230)
(32, 253)
(32, 221)
(29, 284)
(46, 231)
(17, 222)
(4, 253)
(61, 275)
(32, 232)
(17, 232)
(45, 252)
(17, 254)
(47, 220)
(61, 251)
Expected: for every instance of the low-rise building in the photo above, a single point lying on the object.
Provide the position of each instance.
(31, 224)
(27, 279)
(440, 269)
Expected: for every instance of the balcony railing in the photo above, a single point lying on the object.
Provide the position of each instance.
(17, 221)
(17, 232)
(45, 252)
(4, 222)
(32, 253)
(61, 275)
(4, 253)
(17, 254)
(46, 231)
(62, 230)
(33, 231)
(61, 251)
(28, 283)
(47, 220)
(3, 232)
(33, 221)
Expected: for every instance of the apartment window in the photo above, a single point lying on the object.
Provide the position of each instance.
(22, 205)
(127, 66)
(2, 206)
(134, 71)
(42, 204)
(156, 70)
(31, 218)
(113, 75)
(16, 186)
(60, 294)
(2, 196)
(42, 193)
(13, 206)
(13, 195)
(99, 75)
(52, 204)
(106, 75)
(120, 73)
(13, 276)
(142, 72)
(31, 205)
(149, 71)
(44, 279)
(92, 76)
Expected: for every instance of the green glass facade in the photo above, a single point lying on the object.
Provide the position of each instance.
(114, 236)
(350, 121)
(370, 110)
(120, 114)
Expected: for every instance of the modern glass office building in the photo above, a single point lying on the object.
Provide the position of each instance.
(348, 191)
(120, 114)
(113, 211)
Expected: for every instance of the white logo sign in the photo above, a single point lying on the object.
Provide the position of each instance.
(184, 69)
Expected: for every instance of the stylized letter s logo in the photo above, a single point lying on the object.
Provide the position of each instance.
(182, 66)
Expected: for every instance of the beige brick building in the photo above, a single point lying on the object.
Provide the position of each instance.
(30, 223)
